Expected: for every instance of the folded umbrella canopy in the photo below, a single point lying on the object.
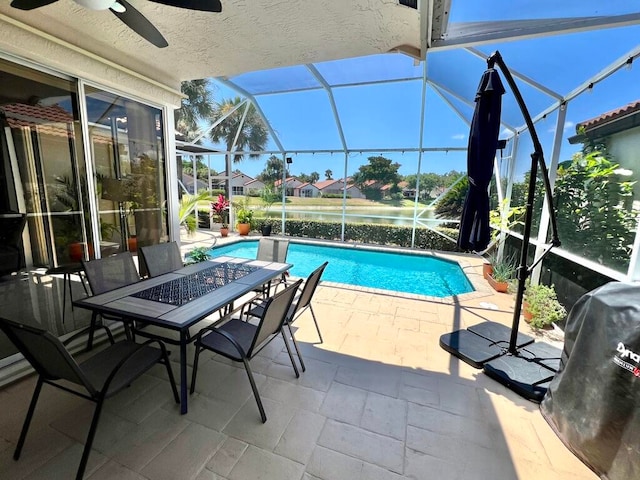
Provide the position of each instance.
(475, 232)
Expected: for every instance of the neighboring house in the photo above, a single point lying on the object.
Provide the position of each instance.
(238, 182)
(254, 187)
(187, 181)
(620, 128)
(329, 186)
(292, 184)
(354, 192)
(308, 190)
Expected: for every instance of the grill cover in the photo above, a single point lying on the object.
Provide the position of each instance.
(593, 402)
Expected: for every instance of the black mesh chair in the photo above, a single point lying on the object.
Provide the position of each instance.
(272, 250)
(161, 258)
(98, 378)
(11, 227)
(299, 305)
(241, 341)
(107, 274)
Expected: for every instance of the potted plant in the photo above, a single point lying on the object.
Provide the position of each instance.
(244, 217)
(197, 255)
(503, 272)
(500, 225)
(220, 211)
(268, 197)
(188, 205)
(541, 307)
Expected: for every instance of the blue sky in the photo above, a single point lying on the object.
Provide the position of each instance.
(388, 115)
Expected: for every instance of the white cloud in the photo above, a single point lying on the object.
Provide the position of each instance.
(459, 136)
(567, 126)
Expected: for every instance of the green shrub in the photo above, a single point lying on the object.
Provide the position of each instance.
(197, 255)
(543, 305)
(379, 234)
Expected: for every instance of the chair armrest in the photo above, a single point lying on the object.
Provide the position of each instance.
(121, 363)
(231, 340)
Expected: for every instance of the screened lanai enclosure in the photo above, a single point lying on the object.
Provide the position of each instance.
(362, 112)
(375, 147)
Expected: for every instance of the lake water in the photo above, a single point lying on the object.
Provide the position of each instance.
(389, 216)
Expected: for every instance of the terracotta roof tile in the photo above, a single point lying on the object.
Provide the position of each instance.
(609, 116)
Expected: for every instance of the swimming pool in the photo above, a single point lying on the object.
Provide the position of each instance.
(398, 272)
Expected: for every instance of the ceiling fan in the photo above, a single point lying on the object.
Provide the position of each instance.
(129, 15)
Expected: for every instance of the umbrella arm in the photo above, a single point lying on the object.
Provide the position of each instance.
(537, 160)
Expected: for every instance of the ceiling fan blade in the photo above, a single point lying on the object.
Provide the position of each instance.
(139, 24)
(30, 4)
(202, 5)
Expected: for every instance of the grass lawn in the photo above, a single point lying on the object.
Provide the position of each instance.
(256, 202)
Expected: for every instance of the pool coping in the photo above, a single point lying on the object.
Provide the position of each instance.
(470, 264)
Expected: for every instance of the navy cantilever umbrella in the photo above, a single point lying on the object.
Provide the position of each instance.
(475, 232)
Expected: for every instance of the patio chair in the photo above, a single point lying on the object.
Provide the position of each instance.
(159, 259)
(100, 377)
(299, 305)
(241, 341)
(272, 250)
(109, 273)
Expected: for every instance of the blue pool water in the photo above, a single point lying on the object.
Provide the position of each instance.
(366, 268)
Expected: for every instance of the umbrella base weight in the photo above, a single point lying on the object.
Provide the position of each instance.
(528, 372)
(499, 333)
(471, 348)
(481, 343)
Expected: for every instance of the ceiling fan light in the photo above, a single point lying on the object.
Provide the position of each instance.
(96, 4)
(118, 7)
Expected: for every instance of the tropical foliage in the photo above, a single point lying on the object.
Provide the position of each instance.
(253, 135)
(450, 205)
(542, 303)
(188, 204)
(596, 210)
(197, 105)
(220, 210)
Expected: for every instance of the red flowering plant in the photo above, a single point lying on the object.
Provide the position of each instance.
(220, 209)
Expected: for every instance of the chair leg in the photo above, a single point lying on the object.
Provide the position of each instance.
(89, 442)
(92, 327)
(286, 344)
(255, 390)
(313, 315)
(195, 369)
(27, 420)
(295, 344)
(172, 380)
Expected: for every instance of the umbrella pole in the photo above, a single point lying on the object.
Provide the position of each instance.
(537, 159)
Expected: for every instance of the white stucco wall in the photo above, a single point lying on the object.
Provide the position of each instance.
(625, 149)
(27, 43)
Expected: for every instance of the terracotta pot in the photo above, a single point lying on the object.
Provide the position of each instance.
(224, 231)
(501, 287)
(76, 251)
(133, 244)
(487, 270)
(526, 313)
(243, 228)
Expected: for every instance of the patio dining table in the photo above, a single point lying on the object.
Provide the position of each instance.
(180, 299)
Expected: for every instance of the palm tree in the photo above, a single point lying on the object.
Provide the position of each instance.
(253, 135)
(197, 106)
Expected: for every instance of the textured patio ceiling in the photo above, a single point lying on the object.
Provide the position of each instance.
(248, 35)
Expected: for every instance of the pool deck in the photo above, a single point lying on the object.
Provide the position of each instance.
(380, 400)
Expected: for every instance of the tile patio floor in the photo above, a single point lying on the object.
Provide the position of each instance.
(380, 400)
